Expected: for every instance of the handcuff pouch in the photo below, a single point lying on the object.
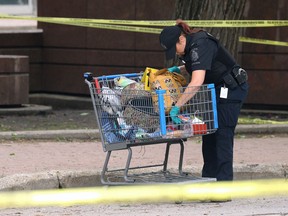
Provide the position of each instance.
(229, 81)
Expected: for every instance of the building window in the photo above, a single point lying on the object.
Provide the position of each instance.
(18, 7)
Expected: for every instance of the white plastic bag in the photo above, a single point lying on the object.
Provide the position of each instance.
(109, 100)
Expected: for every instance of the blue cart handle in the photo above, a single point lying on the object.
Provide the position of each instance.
(118, 75)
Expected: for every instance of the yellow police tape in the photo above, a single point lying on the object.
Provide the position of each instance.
(195, 23)
(145, 193)
(262, 41)
(129, 25)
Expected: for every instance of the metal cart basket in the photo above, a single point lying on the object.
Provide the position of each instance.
(127, 116)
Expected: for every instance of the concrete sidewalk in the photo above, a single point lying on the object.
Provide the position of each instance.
(74, 158)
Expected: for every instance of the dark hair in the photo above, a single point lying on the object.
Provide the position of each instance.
(186, 29)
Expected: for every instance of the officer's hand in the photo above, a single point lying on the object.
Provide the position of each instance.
(174, 112)
(174, 69)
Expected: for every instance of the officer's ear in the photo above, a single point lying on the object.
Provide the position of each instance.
(182, 39)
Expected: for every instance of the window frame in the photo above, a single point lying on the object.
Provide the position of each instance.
(29, 9)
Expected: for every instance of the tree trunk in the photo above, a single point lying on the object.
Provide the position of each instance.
(214, 10)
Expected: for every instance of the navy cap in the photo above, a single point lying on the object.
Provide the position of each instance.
(168, 39)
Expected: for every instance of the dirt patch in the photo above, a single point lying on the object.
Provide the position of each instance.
(55, 120)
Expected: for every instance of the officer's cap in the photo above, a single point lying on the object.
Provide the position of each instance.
(168, 39)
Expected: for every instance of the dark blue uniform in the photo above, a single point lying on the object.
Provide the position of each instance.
(204, 52)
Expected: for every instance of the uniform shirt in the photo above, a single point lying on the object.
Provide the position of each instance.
(204, 52)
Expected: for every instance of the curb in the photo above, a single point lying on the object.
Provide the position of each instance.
(51, 134)
(90, 178)
(50, 180)
(95, 133)
(262, 129)
(26, 109)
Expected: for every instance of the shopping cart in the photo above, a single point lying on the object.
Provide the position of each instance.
(129, 116)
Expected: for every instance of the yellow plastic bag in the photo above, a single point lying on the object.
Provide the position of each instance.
(171, 82)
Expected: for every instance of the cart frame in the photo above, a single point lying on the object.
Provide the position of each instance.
(137, 175)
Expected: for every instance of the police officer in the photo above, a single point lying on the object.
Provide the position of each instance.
(207, 61)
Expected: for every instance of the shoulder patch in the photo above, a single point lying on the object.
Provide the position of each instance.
(194, 54)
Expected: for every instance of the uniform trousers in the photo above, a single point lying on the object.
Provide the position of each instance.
(217, 148)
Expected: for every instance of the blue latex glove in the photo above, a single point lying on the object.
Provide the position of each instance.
(174, 112)
(174, 69)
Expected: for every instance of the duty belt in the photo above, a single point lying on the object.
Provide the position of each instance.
(236, 77)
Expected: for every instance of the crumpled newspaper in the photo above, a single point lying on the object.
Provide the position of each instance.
(123, 81)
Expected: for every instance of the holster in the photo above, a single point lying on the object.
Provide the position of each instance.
(237, 77)
(240, 75)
